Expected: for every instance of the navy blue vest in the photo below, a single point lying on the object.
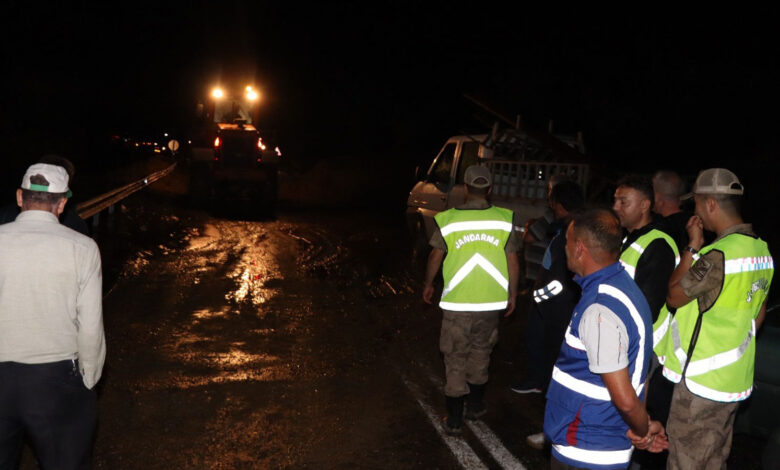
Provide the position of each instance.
(580, 419)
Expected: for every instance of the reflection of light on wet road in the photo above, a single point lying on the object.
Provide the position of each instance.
(205, 314)
(249, 285)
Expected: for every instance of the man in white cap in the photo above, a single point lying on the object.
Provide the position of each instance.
(478, 245)
(52, 344)
(705, 334)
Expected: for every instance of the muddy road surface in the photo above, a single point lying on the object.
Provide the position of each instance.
(295, 342)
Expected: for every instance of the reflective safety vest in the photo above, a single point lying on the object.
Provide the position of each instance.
(630, 256)
(583, 424)
(721, 367)
(476, 277)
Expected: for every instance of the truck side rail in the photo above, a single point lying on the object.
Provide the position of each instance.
(91, 207)
(528, 179)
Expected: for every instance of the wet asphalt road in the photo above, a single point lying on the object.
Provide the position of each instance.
(295, 342)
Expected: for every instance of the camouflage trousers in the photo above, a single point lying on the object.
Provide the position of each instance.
(467, 339)
(699, 431)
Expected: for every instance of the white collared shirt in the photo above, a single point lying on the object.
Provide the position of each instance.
(51, 305)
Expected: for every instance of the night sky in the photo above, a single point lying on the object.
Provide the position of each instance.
(378, 80)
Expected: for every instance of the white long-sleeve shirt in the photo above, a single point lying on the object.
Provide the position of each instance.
(51, 306)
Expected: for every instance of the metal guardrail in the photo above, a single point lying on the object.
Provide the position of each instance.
(91, 207)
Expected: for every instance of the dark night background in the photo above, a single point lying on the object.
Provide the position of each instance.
(382, 83)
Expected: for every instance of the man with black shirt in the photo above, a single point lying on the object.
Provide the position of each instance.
(648, 254)
(668, 188)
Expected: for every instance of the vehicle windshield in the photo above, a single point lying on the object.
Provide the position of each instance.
(230, 110)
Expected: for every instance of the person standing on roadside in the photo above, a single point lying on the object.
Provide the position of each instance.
(554, 297)
(554, 294)
(648, 254)
(477, 244)
(706, 336)
(52, 344)
(668, 187)
(595, 409)
(69, 216)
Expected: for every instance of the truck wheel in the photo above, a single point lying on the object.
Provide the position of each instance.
(419, 245)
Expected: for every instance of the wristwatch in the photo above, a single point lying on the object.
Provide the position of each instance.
(693, 251)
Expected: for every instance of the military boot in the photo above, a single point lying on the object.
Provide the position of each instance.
(454, 423)
(475, 405)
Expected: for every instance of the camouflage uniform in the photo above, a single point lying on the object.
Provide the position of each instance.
(467, 339)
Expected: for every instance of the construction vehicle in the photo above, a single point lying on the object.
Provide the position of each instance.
(231, 161)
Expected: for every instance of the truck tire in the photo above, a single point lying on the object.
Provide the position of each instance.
(418, 242)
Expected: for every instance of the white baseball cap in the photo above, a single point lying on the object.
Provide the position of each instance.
(46, 178)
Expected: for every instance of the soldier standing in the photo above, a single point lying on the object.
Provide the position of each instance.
(478, 244)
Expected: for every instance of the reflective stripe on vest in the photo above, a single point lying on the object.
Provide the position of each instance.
(743, 265)
(549, 291)
(630, 264)
(661, 329)
(706, 392)
(465, 270)
(476, 225)
(597, 457)
(636, 380)
(594, 391)
(572, 340)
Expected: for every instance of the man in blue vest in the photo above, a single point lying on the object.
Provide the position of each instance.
(478, 244)
(595, 406)
(706, 339)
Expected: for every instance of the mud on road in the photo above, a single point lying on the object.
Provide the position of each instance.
(297, 342)
(263, 344)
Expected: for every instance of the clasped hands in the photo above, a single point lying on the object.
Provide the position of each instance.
(654, 441)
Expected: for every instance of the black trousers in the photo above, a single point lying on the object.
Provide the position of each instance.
(51, 406)
(547, 323)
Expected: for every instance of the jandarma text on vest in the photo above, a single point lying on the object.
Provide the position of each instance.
(476, 237)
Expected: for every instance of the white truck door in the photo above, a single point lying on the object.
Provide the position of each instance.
(432, 194)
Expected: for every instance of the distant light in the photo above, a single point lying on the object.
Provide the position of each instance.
(260, 144)
(217, 143)
(249, 88)
(166, 134)
(189, 142)
(278, 152)
(217, 93)
(251, 95)
(162, 148)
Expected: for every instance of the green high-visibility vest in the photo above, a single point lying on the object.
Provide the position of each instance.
(630, 256)
(721, 367)
(476, 277)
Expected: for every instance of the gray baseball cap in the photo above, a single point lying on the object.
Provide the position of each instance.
(478, 176)
(716, 181)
